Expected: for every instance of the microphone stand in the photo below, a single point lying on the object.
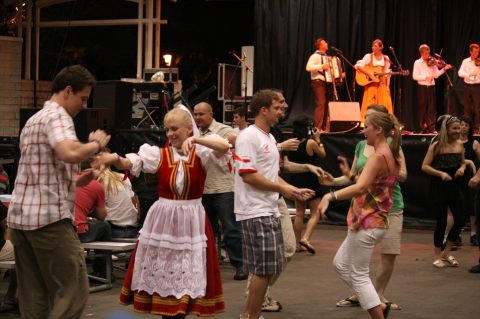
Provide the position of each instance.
(340, 53)
(243, 62)
(399, 68)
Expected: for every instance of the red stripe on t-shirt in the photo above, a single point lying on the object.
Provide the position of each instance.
(247, 171)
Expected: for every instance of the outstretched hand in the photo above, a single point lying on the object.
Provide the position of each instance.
(327, 179)
(343, 165)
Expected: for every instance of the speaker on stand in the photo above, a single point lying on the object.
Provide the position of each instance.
(344, 117)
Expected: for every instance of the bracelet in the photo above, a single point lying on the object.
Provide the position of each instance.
(333, 195)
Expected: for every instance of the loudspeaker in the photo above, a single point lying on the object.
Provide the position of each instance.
(344, 117)
(122, 100)
(85, 122)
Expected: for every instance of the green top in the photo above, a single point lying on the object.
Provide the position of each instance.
(362, 160)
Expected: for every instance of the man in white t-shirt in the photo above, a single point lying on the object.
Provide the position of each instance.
(257, 185)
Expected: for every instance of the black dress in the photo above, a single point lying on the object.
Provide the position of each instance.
(305, 180)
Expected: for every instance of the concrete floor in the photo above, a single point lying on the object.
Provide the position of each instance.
(309, 288)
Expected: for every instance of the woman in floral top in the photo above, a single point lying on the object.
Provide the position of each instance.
(372, 199)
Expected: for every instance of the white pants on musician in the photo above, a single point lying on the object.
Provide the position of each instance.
(352, 262)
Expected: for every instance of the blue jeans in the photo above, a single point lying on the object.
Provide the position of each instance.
(220, 207)
(98, 230)
(124, 231)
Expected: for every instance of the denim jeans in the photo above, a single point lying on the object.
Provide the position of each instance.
(98, 230)
(219, 207)
(124, 232)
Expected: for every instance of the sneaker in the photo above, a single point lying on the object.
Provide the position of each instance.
(475, 269)
(271, 305)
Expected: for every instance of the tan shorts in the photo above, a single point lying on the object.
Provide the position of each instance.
(7, 254)
(392, 240)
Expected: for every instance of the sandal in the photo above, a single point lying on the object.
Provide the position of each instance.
(308, 246)
(395, 306)
(439, 264)
(300, 249)
(348, 302)
(451, 261)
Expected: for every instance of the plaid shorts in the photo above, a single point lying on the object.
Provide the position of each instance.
(262, 243)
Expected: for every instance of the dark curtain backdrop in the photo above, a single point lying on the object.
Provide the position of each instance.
(285, 32)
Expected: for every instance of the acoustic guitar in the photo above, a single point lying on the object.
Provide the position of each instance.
(363, 79)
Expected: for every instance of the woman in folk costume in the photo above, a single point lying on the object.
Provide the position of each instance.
(174, 270)
(375, 92)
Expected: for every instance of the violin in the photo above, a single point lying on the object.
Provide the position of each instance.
(477, 61)
(438, 61)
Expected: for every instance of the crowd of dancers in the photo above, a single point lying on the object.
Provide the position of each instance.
(209, 175)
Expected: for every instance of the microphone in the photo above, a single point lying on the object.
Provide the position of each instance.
(336, 50)
(231, 52)
(391, 49)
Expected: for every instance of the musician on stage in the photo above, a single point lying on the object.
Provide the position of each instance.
(375, 92)
(470, 72)
(425, 75)
(318, 65)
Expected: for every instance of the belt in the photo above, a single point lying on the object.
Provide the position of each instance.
(122, 227)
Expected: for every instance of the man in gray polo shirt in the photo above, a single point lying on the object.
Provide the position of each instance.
(218, 195)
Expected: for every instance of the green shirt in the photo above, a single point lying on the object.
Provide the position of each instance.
(362, 160)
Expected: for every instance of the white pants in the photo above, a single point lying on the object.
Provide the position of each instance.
(352, 262)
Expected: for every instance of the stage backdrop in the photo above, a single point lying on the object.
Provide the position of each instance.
(285, 32)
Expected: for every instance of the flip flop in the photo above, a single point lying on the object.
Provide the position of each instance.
(395, 306)
(348, 302)
(308, 246)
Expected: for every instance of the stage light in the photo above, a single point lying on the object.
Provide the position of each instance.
(168, 59)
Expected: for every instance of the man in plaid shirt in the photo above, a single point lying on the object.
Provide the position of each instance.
(52, 278)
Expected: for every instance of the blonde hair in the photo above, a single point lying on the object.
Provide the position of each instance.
(391, 128)
(178, 114)
(443, 134)
(112, 180)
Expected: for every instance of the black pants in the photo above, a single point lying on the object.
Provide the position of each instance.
(427, 109)
(471, 103)
(447, 195)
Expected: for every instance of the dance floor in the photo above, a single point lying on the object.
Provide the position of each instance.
(309, 287)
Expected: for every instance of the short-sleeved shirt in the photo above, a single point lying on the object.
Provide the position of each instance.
(44, 190)
(119, 205)
(87, 198)
(256, 152)
(219, 177)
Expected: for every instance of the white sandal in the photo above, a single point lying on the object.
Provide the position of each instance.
(438, 263)
(451, 261)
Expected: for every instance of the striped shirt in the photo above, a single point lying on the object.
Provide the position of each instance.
(44, 190)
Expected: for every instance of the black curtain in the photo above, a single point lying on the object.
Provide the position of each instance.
(285, 32)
